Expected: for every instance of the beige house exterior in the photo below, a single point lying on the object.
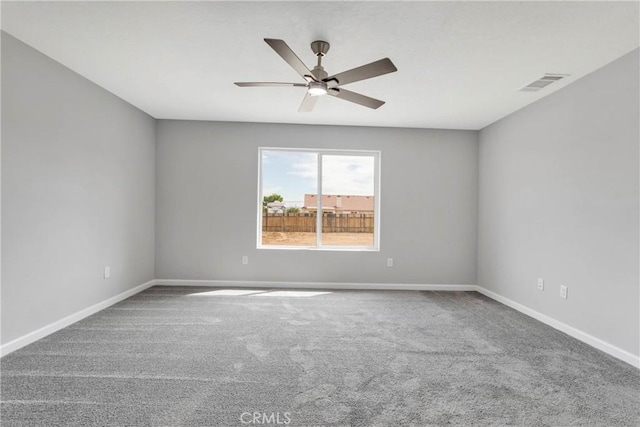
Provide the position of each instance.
(340, 204)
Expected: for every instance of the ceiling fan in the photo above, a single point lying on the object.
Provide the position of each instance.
(319, 82)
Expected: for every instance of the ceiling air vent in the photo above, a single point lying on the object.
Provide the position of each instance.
(543, 82)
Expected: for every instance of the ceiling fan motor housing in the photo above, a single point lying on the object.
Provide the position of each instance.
(319, 73)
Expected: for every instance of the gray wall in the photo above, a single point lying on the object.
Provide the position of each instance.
(206, 197)
(78, 171)
(559, 199)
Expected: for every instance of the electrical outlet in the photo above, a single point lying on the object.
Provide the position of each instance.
(563, 291)
(540, 284)
(389, 262)
(245, 260)
(107, 272)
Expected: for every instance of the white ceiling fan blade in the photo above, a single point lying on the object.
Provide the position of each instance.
(308, 103)
(373, 69)
(357, 98)
(269, 84)
(290, 57)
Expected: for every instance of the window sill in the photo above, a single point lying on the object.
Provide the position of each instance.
(322, 248)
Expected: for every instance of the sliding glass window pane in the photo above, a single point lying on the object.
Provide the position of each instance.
(287, 177)
(348, 202)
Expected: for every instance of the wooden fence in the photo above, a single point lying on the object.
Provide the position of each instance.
(331, 223)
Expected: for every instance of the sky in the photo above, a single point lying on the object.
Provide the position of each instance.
(294, 173)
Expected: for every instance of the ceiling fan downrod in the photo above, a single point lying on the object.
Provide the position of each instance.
(320, 49)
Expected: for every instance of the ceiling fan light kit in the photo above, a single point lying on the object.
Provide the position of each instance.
(318, 80)
(317, 88)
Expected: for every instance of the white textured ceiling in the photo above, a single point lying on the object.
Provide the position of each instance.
(460, 64)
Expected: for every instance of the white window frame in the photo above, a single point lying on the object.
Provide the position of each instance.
(319, 246)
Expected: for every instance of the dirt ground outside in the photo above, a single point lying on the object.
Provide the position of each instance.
(309, 239)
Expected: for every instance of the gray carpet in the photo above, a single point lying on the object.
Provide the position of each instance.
(344, 358)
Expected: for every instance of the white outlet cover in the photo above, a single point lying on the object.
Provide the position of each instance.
(389, 262)
(540, 283)
(563, 292)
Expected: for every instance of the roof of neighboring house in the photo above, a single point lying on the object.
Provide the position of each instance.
(347, 202)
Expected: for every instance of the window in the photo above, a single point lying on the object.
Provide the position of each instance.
(318, 199)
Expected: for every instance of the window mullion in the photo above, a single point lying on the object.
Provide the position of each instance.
(319, 212)
(376, 206)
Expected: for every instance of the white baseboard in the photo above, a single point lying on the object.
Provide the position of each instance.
(316, 285)
(610, 349)
(73, 318)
